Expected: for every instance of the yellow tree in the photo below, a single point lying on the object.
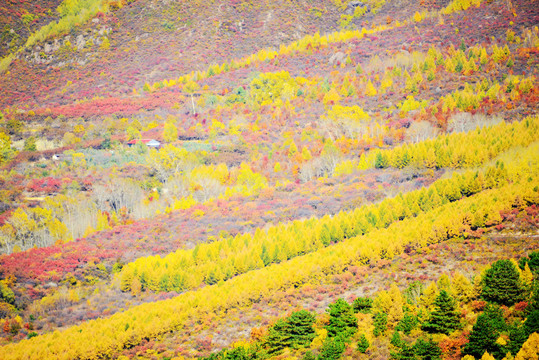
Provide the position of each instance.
(530, 349)
(429, 295)
(79, 130)
(370, 90)
(170, 133)
(390, 302)
(5, 147)
(136, 286)
(331, 97)
(132, 133)
(58, 230)
(25, 227)
(444, 283)
(527, 276)
(126, 278)
(462, 288)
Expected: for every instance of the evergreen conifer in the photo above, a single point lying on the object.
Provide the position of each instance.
(332, 349)
(362, 344)
(427, 349)
(301, 328)
(380, 323)
(342, 320)
(502, 284)
(445, 318)
(484, 334)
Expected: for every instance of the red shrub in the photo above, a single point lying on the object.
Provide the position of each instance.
(451, 348)
(46, 185)
(478, 305)
(521, 306)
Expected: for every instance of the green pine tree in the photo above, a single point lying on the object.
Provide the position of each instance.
(301, 328)
(484, 334)
(396, 339)
(406, 352)
(362, 305)
(296, 331)
(502, 284)
(381, 161)
(517, 337)
(532, 260)
(363, 344)
(211, 277)
(265, 256)
(533, 304)
(445, 318)
(462, 46)
(407, 323)
(238, 353)
(342, 320)
(332, 349)
(380, 323)
(427, 349)
(30, 144)
(106, 143)
(531, 324)
(279, 337)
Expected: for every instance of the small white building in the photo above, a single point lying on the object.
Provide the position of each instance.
(151, 143)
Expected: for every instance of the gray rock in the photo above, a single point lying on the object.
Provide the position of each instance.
(353, 5)
(383, 178)
(80, 42)
(413, 113)
(48, 48)
(56, 45)
(104, 30)
(338, 57)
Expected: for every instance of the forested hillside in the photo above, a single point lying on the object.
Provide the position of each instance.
(237, 179)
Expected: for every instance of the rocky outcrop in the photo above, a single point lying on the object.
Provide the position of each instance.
(337, 58)
(353, 5)
(68, 49)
